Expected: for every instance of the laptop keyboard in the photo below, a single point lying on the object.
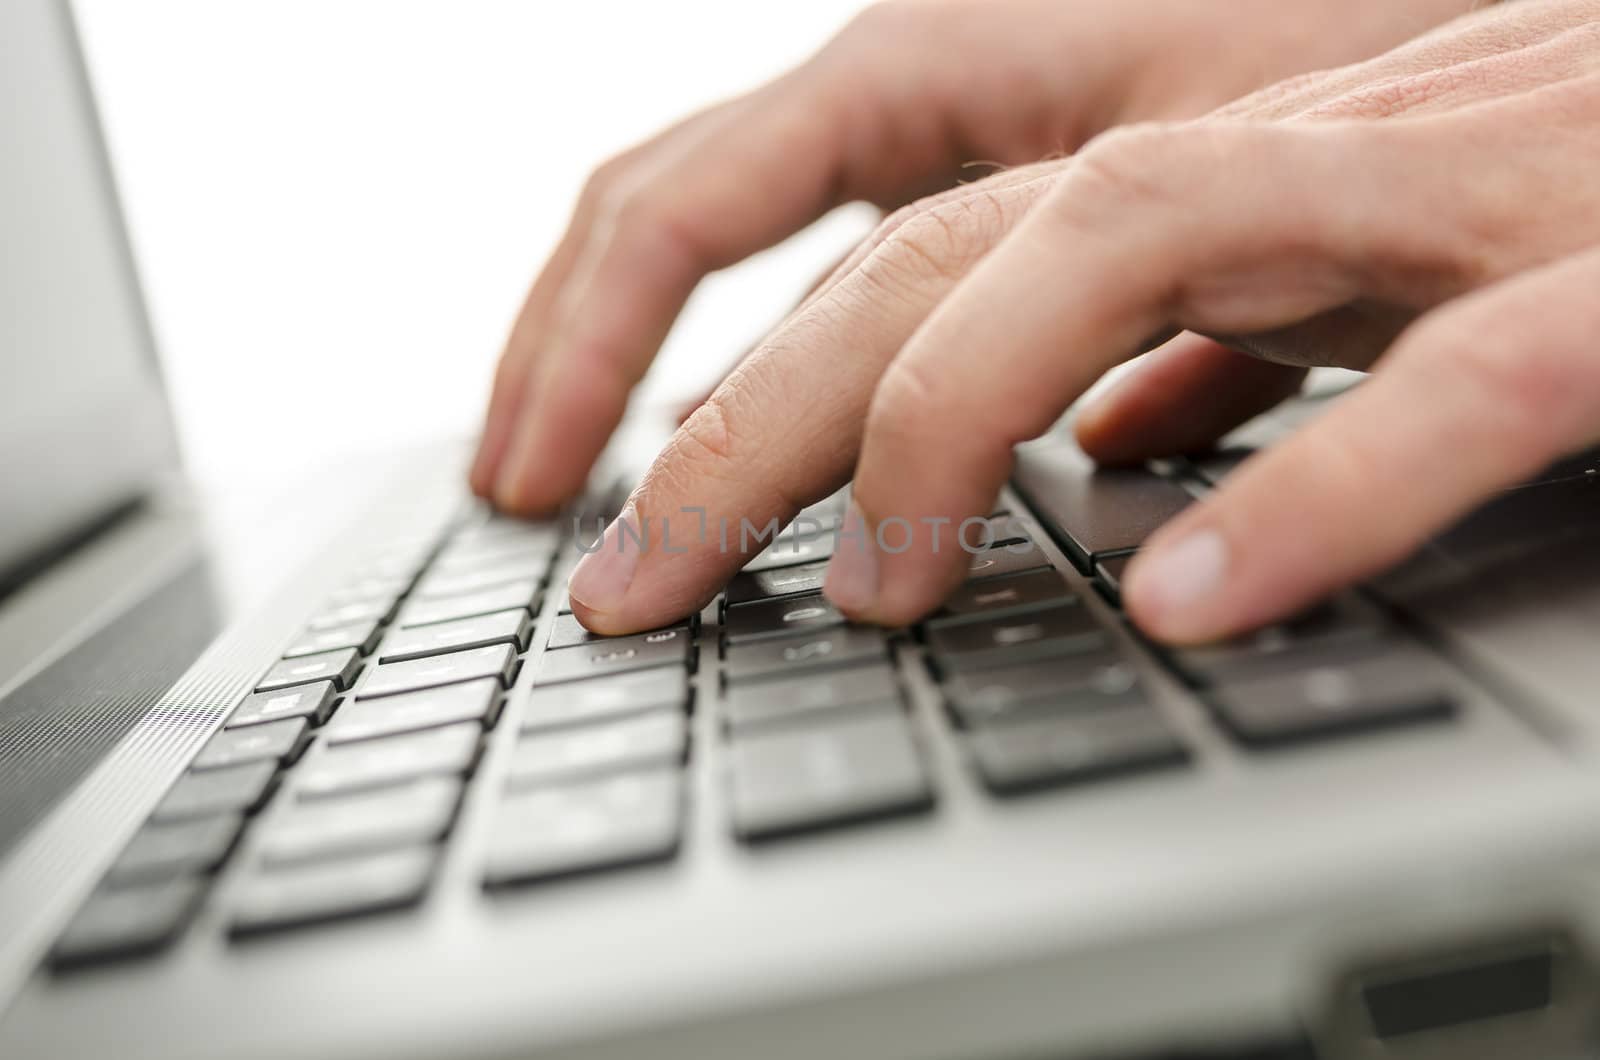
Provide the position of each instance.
(334, 786)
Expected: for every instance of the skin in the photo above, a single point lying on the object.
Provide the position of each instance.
(1424, 214)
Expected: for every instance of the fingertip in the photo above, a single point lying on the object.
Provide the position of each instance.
(1176, 589)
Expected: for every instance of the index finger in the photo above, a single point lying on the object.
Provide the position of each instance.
(783, 430)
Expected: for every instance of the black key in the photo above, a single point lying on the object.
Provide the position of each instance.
(775, 582)
(1090, 510)
(524, 594)
(339, 615)
(1075, 683)
(501, 627)
(312, 702)
(650, 740)
(450, 751)
(1342, 625)
(975, 645)
(790, 551)
(581, 702)
(498, 661)
(474, 701)
(237, 790)
(1001, 528)
(418, 812)
(1399, 685)
(779, 618)
(615, 655)
(362, 636)
(340, 667)
(275, 741)
(777, 657)
(1006, 559)
(128, 921)
(1065, 748)
(568, 632)
(807, 696)
(183, 848)
(858, 767)
(307, 894)
(442, 583)
(1218, 464)
(620, 820)
(1109, 571)
(1016, 592)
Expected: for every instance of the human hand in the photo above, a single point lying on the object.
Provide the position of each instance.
(1440, 193)
(890, 110)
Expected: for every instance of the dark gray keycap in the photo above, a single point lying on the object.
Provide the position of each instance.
(615, 655)
(237, 790)
(582, 702)
(854, 768)
(777, 657)
(442, 583)
(501, 627)
(1219, 463)
(474, 701)
(653, 739)
(312, 702)
(1339, 626)
(183, 848)
(496, 660)
(1063, 748)
(275, 741)
(524, 594)
(779, 618)
(787, 699)
(1109, 572)
(1017, 592)
(128, 921)
(1074, 683)
(1092, 510)
(568, 632)
(339, 615)
(774, 582)
(362, 636)
(790, 551)
(447, 751)
(340, 667)
(1006, 559)
(619, 820)
(1397, 685)
(1007, 640)
(1001, 528)
(306, 894)
(414, 813)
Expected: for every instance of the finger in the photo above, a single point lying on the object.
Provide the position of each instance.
(1478, 396)
(742, 182)
(1220, 228)
(1180, 399)
(784, 429)
(513, 373)
(850, 262)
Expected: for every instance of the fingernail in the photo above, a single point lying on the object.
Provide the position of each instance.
(852, 579)
(1180, 577)
(601, 578)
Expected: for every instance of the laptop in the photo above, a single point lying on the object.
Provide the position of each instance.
(351, 782)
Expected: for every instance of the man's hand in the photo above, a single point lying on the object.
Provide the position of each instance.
(891, 110)
(1434, 206)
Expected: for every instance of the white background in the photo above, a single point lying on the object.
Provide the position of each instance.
(337, 204)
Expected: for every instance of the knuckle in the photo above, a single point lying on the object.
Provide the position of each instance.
(1132, 167)
(884, 20)
(939, 240)
(908, 397)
